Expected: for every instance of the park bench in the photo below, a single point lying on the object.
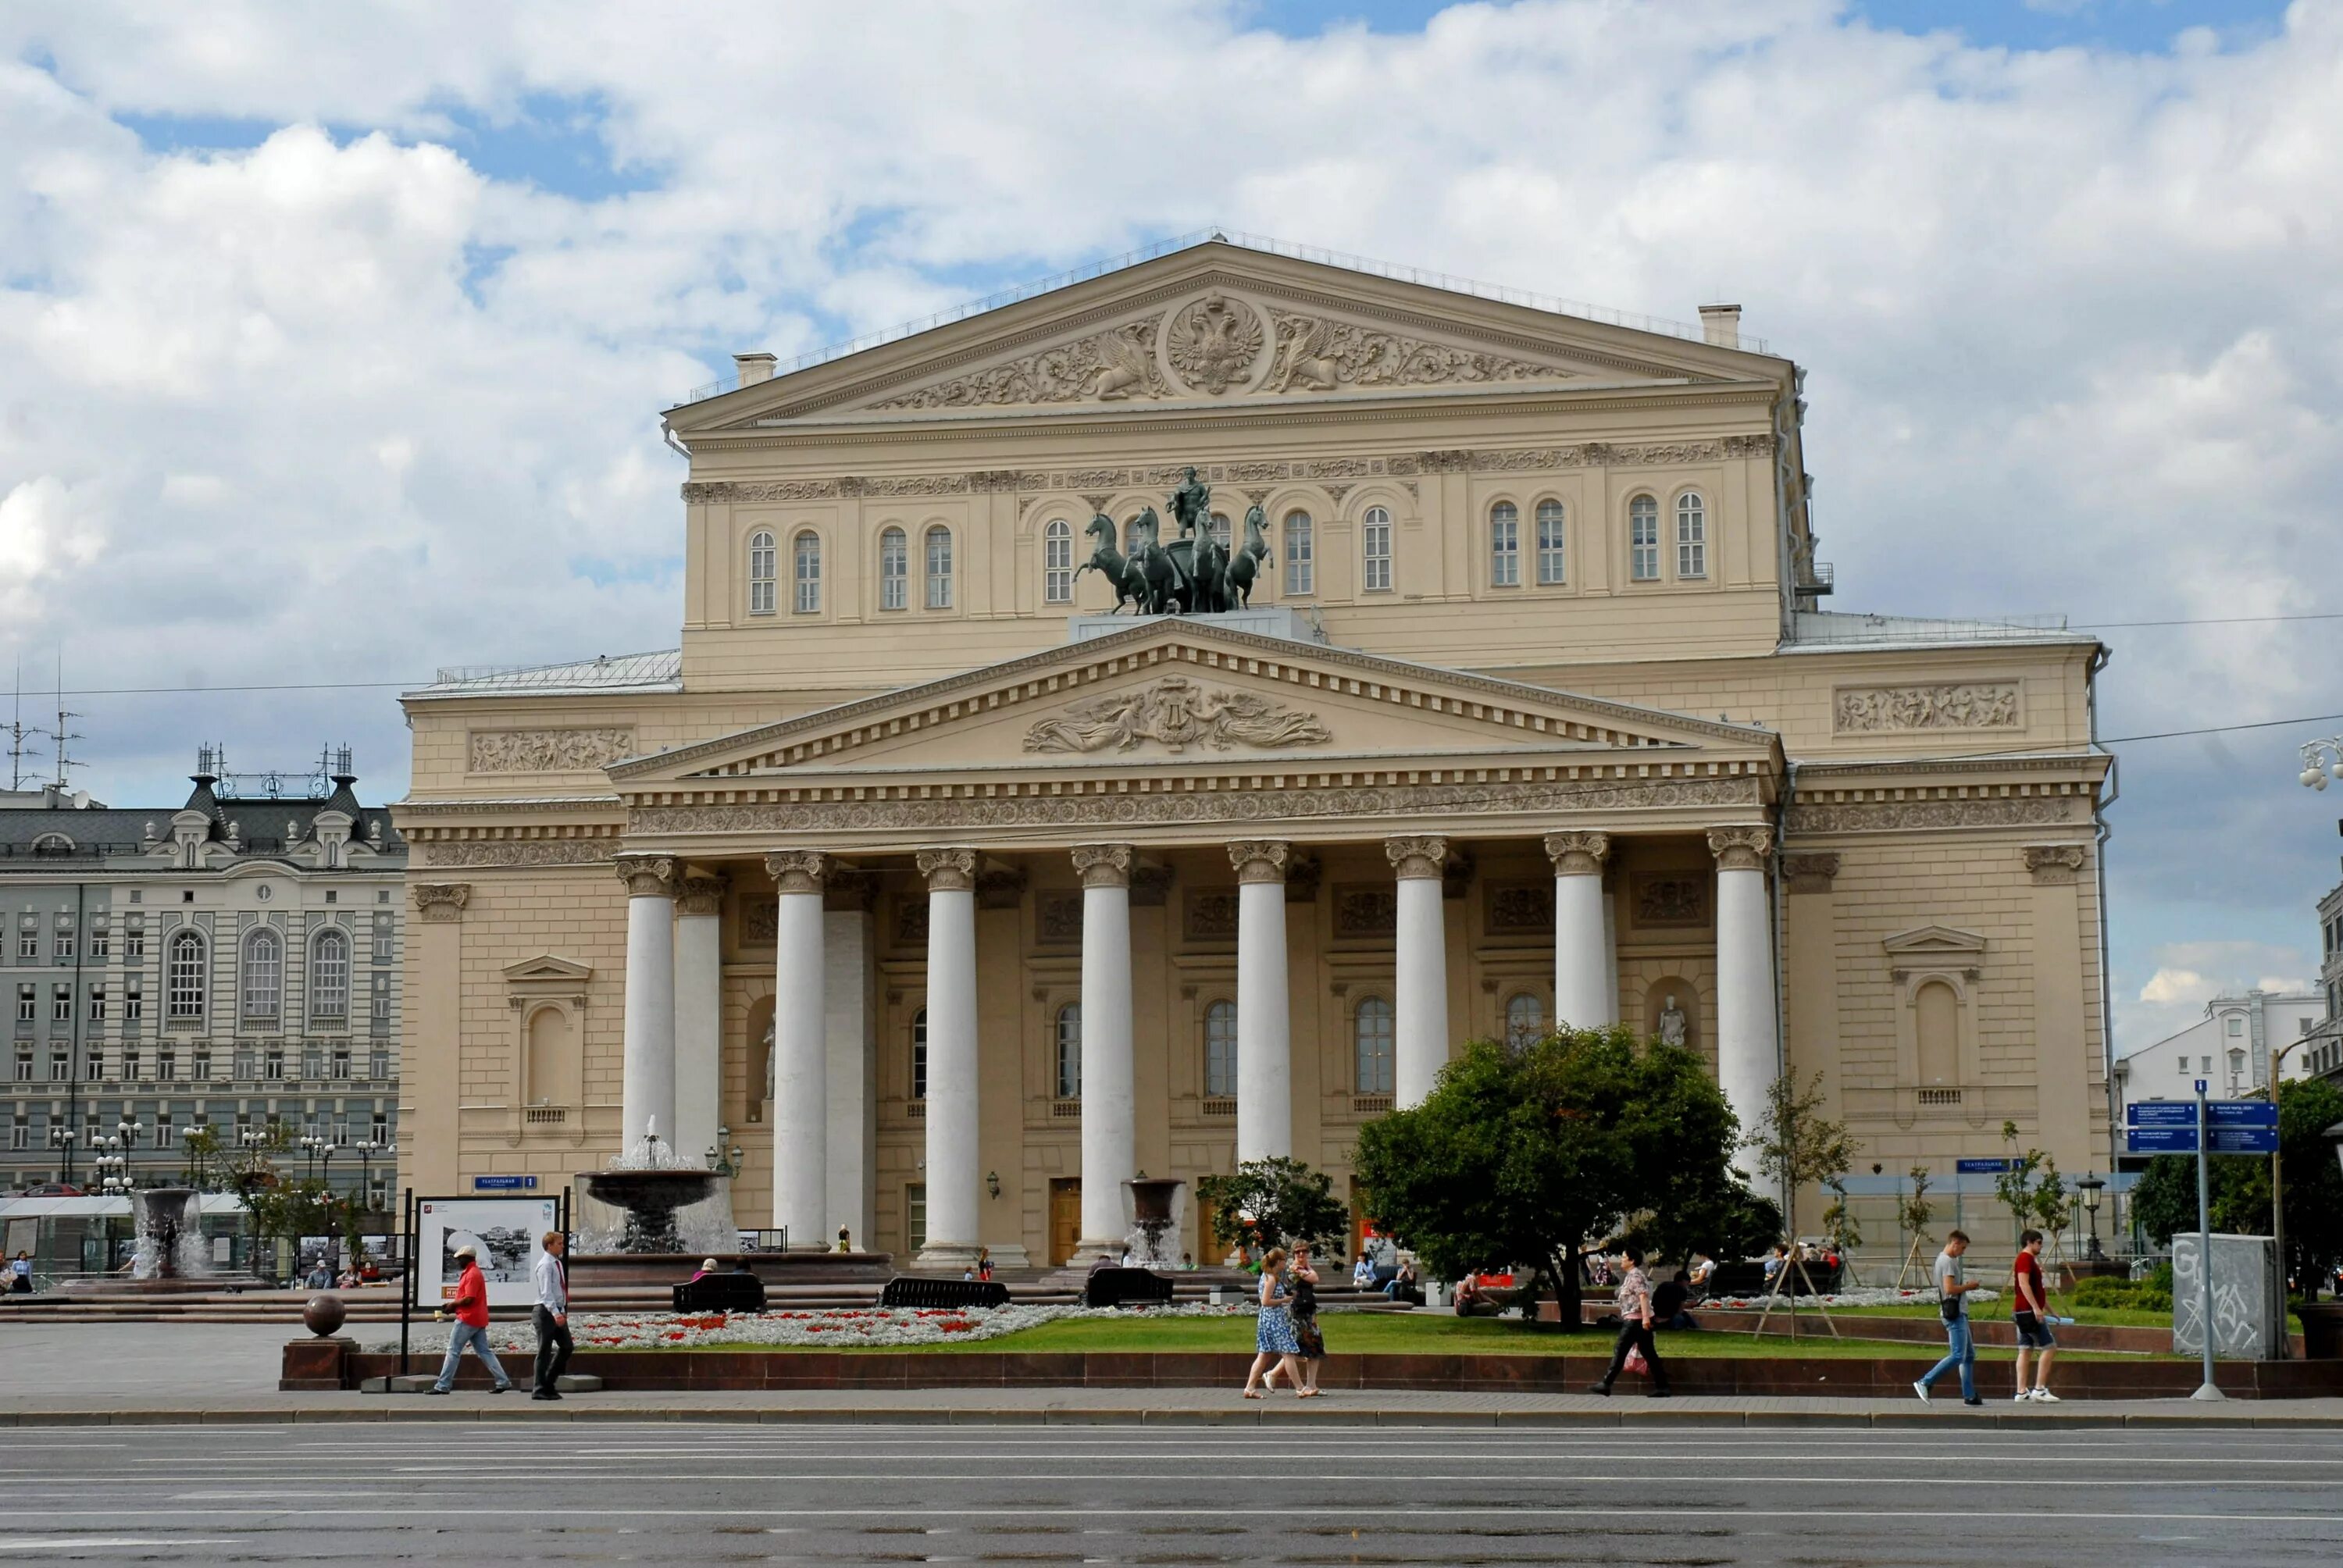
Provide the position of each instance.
(913, 1291)
(1126, 1288)
(735, 1292)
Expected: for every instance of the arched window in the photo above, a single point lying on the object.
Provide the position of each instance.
(894, 570)
(1057, 561)
(1504, 545)
(1220, 1051)
(264, 975)
(939, 568)
(1069, 1052)
(1939, 1028)
(1524, 1020)
(805, 552)
(329, 976)
(920, 1054)
(184, 977)
(762, 568)
(1219, 526)
(1300, 560)
(1374, 532)
(1692, 536)
(1372, 1030)
(1644, 539)
(1551, 561)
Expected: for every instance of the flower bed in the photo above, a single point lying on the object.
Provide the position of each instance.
(1870, 1298)
(891, 1328)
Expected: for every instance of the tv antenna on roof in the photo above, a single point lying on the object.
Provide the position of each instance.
(63, 735)
(18, 750)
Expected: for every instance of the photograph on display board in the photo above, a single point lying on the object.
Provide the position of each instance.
(507, 1233)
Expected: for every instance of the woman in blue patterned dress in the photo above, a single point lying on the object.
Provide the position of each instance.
(1273, 1335)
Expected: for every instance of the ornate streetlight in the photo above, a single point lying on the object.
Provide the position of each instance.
(2092, 1186)
(721, 1161)
(2321, 759)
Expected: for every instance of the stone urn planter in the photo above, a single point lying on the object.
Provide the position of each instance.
(2322, 1331)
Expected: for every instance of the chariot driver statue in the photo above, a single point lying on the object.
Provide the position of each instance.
(1192, 506)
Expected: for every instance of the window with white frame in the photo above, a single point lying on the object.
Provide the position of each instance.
(93, 1064)
(264, 975)
(1524, 1020)
(1069, 1052)
(97, 1011)
(134, 1000)
(894, 570)
(1056, 561)
(1370, 1031)
(378, 1005)
(61, 1002)
(1552, 558)
(2237, 1025)
(184, 977)
(64, 945)
(939, 568)
(28, 938)
(1504, 545)
(101, 937)
(1219, 527)
(1692, 536)
(133, 937)
(1301, 556)
(1376, 535)
(24, 1064)
(1644, 539)
(1220, 1051)
(805, 570)
(920, 1054)
(60, 1066)
(386, 939)
(329, 976)
(164, 1130)
(763, 570)
(27, 1001)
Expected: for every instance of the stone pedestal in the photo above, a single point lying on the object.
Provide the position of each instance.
(316, 1365)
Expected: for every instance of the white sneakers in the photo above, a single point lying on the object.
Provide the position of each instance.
(2035, 1396)
(1922, 1390)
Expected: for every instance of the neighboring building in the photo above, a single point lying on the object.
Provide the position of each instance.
(2230, 1048)
(1534, 716)
(224, 964)
(2325, 1052)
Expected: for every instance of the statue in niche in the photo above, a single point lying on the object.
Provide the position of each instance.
(1673, 1024)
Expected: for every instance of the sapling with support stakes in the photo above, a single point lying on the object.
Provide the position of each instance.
(1797, 1145)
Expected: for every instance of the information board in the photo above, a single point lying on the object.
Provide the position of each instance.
(2219, 1140)
(508, 1232)
(2218, 1113)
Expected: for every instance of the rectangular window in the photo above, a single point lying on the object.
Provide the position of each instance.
(1221, 1050)
(341, 1063)
(276, 1064)
(101, 939)
(64, 944)
(203, 1064)
(166, 1066)
(313, 1063)
(163, 1129)
(28, 940)
(341, 1133)
(379, 1002)
(2205, 1065)
(378, 1065)
(20, 1135)
(382, 1130)
(60, 1067)
(93, 1065)
(98, 1001)
(134, 1000)
(248, 1065)
(385, 935)
(134, 938)
(2236, 1027)
(1553, 565)
(1301, 558)
(1375, 532)
(25, 1067)
(26, 1001)
(2183, 1065)
(130, 1062)
(61, 1003)
(915, 1214)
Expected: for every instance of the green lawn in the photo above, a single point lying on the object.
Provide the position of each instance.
(2120, 1317)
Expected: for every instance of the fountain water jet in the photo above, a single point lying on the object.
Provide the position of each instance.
(1153, 1206)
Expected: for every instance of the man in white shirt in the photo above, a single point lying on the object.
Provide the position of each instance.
(554, 1345)
(1961, 1350)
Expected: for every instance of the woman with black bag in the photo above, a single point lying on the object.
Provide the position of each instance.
(1305, 1319)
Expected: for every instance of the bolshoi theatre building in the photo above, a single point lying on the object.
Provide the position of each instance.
(1024, 811)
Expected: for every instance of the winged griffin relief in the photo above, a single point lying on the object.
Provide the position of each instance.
(1320, 354)
(1178, 713)
(1107, 368)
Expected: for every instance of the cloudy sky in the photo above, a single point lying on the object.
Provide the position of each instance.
(335, 337)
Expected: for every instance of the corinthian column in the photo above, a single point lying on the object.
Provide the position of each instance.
(801, 1079)
(953, 1160)
(698, 1011)
(1109, 1141)
(1748, 1043)
(1264, 1016)
(1582, 995)
(647, 1065)
(1421, 1009)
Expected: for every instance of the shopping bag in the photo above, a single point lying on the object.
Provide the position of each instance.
(1635, 1361)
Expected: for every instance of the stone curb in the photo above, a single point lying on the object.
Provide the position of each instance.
(846, 1415)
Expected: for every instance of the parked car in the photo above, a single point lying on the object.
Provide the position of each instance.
(53, 1189)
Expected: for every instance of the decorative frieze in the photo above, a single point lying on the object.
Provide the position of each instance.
(1213, 342)
(760, 922)
(1111, 366)
(1176, 712)
(1904, 816)
(1058, 919)
(1577, 854)
(548, 750)
(1211, 914)
(1740, 848)
(1886, 710)
(1414, 857)
(1103, 865)
(2054, 864)
(947, 870)
(1521, 908)
(1361, 912)
(511, 853)
(999, 888)
(1662, 899)
(441, 901)
(1321, 354)
(798, 870)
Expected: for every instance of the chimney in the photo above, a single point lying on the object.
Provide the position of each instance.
(1720, 323)
(754, 367)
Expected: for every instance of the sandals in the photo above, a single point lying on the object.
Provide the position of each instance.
(1251, 1393)
(1307, 1393)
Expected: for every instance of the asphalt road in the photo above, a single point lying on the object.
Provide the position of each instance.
(725, 1492)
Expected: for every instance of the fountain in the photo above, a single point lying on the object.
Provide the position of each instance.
(1153, 1206)
(170, 1234)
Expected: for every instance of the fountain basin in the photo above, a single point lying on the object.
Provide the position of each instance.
(650, 1200)
(1153, 1206)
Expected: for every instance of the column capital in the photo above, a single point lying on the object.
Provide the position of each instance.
(799, 870)
(1103, 866)
(1425, 857)
(1577, 854)
(1740, 848)
(442, 901)
(947, 870)
(648, 876)
(701, 895)
(1259, 859)
(1812, 872)
(2051, 864)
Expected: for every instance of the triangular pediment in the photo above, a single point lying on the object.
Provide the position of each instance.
(1219, 324)
(1933, 941)
(547, 967)
(1181, 692)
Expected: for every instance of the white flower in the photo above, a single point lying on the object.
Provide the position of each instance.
(824, 1328)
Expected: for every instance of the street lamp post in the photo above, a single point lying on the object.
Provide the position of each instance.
(61, 1136)
(2092, 1185)
(2321, 759)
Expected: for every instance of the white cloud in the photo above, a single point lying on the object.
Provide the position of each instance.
(2069, 316)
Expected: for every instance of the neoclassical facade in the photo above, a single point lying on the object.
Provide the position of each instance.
(953, 900)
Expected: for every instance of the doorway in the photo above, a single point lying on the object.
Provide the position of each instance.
(1065, 1218)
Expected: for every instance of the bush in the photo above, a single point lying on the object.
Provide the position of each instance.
(2106, 1291)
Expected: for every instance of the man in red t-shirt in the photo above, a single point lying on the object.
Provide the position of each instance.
(2029, 1312)
(471, 1307)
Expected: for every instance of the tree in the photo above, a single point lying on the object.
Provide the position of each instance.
(1524, 1157)
(1838, 1220)
(1913, 1212)
(1274, 1203)
(1797, 1145)
(2164, 1200)
(2032, 1190)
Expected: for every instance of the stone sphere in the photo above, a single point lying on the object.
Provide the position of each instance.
(325, 1314)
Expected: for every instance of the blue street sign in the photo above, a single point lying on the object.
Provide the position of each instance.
(1985, 1167)
(504, 1183)
(2183, 1141)
(2218, 1114)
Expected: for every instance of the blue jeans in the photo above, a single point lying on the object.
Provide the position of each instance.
(458, 1336)
(1962, 1354)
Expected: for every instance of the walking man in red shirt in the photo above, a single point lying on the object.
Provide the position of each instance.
(2029, 1314)
(470, 1308)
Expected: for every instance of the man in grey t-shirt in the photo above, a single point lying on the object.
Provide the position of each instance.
(1962, 1350)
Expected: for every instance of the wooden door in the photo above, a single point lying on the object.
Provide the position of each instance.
(1065, 1218)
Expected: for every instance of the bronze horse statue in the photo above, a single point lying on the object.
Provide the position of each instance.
(1252, 559)
(1144, 579)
